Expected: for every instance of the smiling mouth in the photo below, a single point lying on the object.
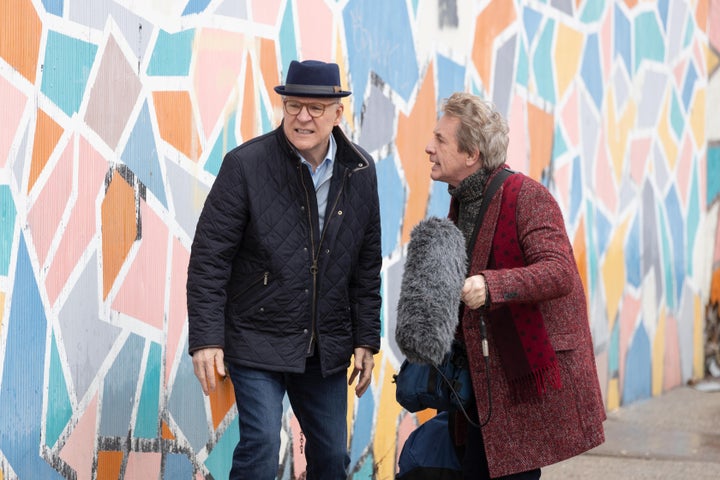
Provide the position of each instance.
(303, 131)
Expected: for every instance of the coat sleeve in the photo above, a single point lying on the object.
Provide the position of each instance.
(217, 237)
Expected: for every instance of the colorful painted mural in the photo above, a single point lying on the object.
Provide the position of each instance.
(116, 116)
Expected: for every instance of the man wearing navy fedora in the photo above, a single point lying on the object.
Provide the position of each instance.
(283, 283)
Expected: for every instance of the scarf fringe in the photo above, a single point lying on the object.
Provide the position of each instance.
(532, 387)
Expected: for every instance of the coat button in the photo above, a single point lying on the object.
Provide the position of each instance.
(339, 212)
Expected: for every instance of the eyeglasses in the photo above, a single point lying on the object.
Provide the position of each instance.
(315, 110)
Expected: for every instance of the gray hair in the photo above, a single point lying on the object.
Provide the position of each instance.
(482, 129)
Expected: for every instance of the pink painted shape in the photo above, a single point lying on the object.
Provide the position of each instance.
(219, 58)
(570, 115)
(315, 28)
(561, 176)
(46, 213)
(406, 427)
(672, 370)
(639, 154)
(81, 225)
(79, 450)
(679, 72)
(142, 294)
(684, 168)
(605, 187)
(714, 24)
(602, 363)
(177, 314)
(266, 11)
(299, 461)
(13, 103)
(606, 38)
(143, 465)
(517, 156)
(628, 321)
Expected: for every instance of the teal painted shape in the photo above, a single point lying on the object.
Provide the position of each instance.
(220, 459)
(676, 115)
(147, 423)
(649, 40)
(543, 63)
(666, 261)
(367, 468)
(141, 155)
(66, 69)
(522, 74)
(692, 221)
(120, 389)
(362, 429)
(172, 54)
(266, 119)
(637, 384)
(59, 408)
(559, 145)
(713, 174)
(689, 31)
(287, 40)
(225, 142)
(7, 227)
(593, 11)
(614, 350)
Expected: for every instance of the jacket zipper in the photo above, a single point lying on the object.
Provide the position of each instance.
(263, 279)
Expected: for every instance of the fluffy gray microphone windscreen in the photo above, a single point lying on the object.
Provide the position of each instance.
(427, 310)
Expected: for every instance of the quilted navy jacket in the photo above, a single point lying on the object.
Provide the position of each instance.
(263, 282)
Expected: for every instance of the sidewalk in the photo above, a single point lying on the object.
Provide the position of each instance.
(673, 436)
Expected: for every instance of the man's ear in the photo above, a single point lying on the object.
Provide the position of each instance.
(473, 159)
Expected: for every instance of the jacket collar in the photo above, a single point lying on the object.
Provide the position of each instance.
(347, 154)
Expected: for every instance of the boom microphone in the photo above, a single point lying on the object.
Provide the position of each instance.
(427, 310)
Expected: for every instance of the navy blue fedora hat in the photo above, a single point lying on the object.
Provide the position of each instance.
(312, 78)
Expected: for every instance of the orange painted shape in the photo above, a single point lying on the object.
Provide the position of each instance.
(165, 431)
(20, 33)
(631, 3)
(222, 399)
(119, 228)
(109, 464)
(715, 287)
(271, 75)
(47, 135)
(701, 14)
(176, 122)
(494, 18)
(248, 120)
(541, 127)
(412, 133)
(580, 250)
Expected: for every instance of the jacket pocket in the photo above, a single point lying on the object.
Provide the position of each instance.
(565, 341)
(256, 283)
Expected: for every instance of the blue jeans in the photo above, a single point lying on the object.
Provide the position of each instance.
(320, 405)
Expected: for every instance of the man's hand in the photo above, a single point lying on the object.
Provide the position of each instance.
(474, 292)
(205, 361)
(364, 363)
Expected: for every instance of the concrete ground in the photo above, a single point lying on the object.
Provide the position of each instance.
(673, 436)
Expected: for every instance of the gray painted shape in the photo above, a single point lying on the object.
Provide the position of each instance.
(95, 13)
(599, 323)
(18, 165)
(628, 191)
(188, 195)
(650, 238)
(677, 18)
(187, 405)
(686, 310)
(661, 169)
(504, 76)
(120, 389)
(565, 6)
(621, 86)
(393, 281)
(651, 96)
(378, 119)
(233, 8)
(589, 132)
(87, 339)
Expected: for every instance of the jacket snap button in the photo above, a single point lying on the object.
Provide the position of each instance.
(339, 212)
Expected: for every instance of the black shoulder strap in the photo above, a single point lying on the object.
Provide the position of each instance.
(498, 180)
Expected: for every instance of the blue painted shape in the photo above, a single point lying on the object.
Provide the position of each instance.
(66, 68)
(361, 437)
(593, 11)
(219, 461)
(663, 7)
(649, 40)
(622, 33)
(691, 78)
(225, 142)
(53, 7)
(141, 155)
(638, 368)
(287, 40)
(195, 6)
(7, 227)
(676, 115)
(21, 392)
(576, 189)
(543, 62)
(147, 423)
(266, 119)
(591, 70)
(633, 258)
(713, 174)
(676, 223)
(172, 54)
(559, 145)
(689, 31)
(692, 221)
(177, 466)
(522, 73)
(187, 405)
(614, 350)
(439, 203)
(120, 389)
(531, 21)
(450, 77)
(379, 38)
(59, 408)
(392, 202)
(603, 229)
(666, 264)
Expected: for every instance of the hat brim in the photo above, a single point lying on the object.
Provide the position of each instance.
(299, 93)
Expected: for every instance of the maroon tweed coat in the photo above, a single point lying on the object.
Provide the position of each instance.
(565, 422)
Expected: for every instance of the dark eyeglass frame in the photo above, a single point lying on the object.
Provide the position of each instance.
(317, 111)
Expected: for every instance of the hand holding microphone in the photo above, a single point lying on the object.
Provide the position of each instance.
(474, 292)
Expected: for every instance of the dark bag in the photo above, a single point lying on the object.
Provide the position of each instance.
(428, 453)
(445, 387)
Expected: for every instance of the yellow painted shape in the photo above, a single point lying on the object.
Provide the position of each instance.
(666, 139)
(658, 354)
(613, 270)
(119, 228)
(697, 117)
(385, 435)
(698, 340)
(344, 80)
(618, 131)
(568, 51)
(712, 59)
(613, 394)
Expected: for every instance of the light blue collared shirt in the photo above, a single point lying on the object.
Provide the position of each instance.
(321, 179)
